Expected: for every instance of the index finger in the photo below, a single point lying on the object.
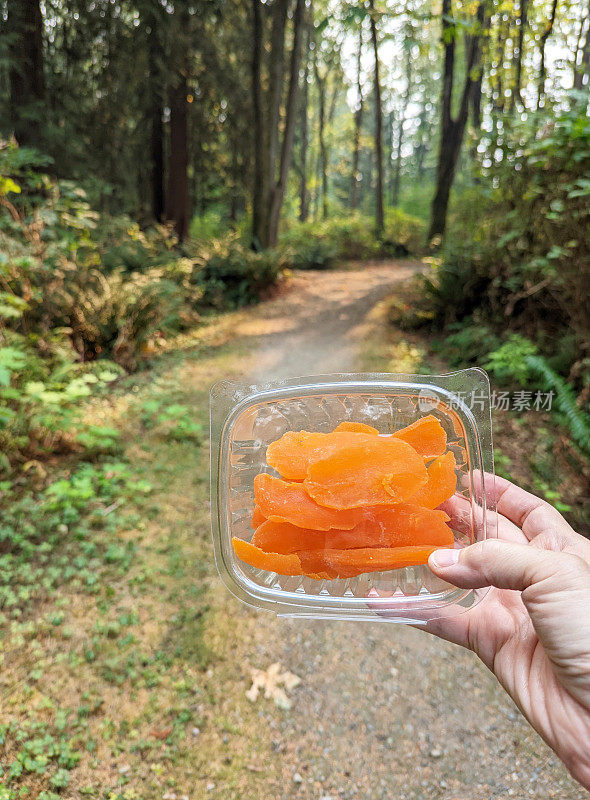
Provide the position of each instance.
(530, 513)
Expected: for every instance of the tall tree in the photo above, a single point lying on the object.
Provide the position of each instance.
(278, 189)
(452, 128)
(323, 152)
(156, 56)
(358, 123)
(24, 27)
(402, 118)
(258, 128)
(303, 190)
(177, 199)
(379, 213)
(582, 57)
(542, 46)
(278, 151)
(516, 95)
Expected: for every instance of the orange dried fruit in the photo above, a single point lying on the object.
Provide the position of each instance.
(350, 563)
(280, 500)
(396, 526)
(292, 454)
(257, 516)
(272, 562)
(373, 470)
(426, 436)
(441, 483)
(356, 427)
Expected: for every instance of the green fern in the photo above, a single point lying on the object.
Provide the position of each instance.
(565, 399)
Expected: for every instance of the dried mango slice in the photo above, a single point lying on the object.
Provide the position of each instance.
(279, 500)
(397, 526)
(350, 563)
(272, 562)
(257, 516)
(441, 484)
(356, 427)
(426, 436)
(355, 475)
(292, 454)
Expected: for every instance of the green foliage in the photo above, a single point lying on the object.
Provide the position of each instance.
(209, 225)
(317, 245)
(517, 360)
(521, 251)
(230, 275)
(404, 233)
(45, 534)
(173, 421)
(509, 362)
(468, 343)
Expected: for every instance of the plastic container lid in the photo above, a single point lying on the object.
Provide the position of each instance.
(246, 418)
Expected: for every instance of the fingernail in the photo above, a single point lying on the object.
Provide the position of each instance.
(444, 558)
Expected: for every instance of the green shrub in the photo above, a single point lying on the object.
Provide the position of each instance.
(311, 244)
(468, 343)
(520, 254)
(311, 254)
(230, 275)
(404, 234)
(207, 226)
(517, 360)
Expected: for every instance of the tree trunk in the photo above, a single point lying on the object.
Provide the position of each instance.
(400, 129)
(543, 43)
(24, 25)
(476, 90)
(278, 191)
(516, 94)
(157, 126)
(358, 122)
(379, 215)
(388, 175)
(321, 82)
(452, 129)
(582, 69)
(178, 206)
(258, 129)
(276, 68)
(303, 190)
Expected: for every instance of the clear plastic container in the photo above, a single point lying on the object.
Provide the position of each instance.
(246, 418)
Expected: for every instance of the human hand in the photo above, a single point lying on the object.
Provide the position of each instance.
(532, 629)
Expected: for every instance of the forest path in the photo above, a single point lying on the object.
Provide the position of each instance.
(383, 711)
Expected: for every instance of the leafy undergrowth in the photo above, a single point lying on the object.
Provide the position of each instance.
(115, 643)
(531, 447)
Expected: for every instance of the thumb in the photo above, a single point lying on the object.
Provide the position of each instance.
(505, 565)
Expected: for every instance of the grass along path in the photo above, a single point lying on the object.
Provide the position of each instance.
(130, 681)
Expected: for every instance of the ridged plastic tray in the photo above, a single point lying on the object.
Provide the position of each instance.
(245, 419)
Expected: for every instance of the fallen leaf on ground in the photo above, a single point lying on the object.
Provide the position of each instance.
(275, 684)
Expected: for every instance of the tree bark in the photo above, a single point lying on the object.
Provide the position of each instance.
(542, 45)
(400, 129)
(452, 129)
(278, 191)
(379, 214)
(178, 206)
(321, 82)
(303, 190)
(157, 125)
(24, 25)
(258, 129)
(276, 68)
(358, 122)
(582, 69)
(517, 93)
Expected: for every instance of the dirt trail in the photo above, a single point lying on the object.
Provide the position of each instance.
(383, 711)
